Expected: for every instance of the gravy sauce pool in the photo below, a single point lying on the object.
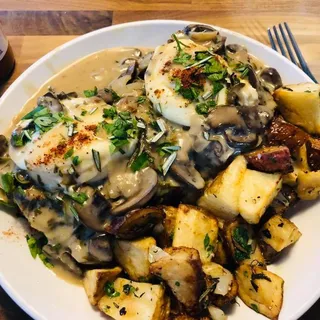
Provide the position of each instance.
(97, 69)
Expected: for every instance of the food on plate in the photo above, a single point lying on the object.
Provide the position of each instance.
(162, 177)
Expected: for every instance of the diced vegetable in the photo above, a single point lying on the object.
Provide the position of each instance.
(145, 301)
(278, 233)
(221, 197)
(260, 290)
(133, 257)
(308, 185)
(95, 280)
(257, 191)
(195, 229)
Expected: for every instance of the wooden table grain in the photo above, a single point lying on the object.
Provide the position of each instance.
(35, 27)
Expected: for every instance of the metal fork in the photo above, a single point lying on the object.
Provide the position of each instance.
(302, 61)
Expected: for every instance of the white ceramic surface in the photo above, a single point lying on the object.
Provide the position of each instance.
(44, 296)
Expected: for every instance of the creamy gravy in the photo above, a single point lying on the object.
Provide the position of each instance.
(97, 69)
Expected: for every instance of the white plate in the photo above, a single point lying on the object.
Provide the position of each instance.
(44, 296)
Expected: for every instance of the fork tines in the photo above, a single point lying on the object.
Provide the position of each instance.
(287, 47)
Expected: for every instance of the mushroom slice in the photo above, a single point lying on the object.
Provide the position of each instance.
(148, 182)
(241, 140)
(95, 210)
(237, 52)
(50, 101)
(3, 145)
(71, 263)
(181, 270)
(225, 115)
(99, 247)
(136, 223)
(188, 174)
(270, 79)
(143, 63)
(200, 32)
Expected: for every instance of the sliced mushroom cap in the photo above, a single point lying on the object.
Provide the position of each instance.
(71, 263)
(128, 103)
(100, 249)
(252, 77)
(200, 32)
(106, 95)
(143, 63)
(225, 116)
(3, 145)
(237, 52)
(241, 140)
(130, 65)
(95, 212)
(188, 174)
(270, 79)
(136, 223)
(148, 186)
(215, 154)
(50, 101)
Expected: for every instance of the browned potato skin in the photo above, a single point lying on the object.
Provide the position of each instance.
(313, 153)
(227, 232)
(282, 132)
(270, 159)
(221, 254)
(195, 281)
(219, 300)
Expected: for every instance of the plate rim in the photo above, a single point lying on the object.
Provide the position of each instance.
(14, 295)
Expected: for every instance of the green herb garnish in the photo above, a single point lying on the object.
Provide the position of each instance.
(128, 288)
(167, 148)
(35, 248)
(7, 182)
(141, 162)
(181, 57)
(254, 307)
(110, 113)
(90, 93)
(243, 250)
(96, 159)
(79, 197)
(110, 291)
(76, 160)
(68, 154)
(207, 245)
(141, 99)
(205, 107)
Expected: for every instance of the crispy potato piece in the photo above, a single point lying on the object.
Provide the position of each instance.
(222, 194)
(300, 105)
(182, 271)
(196, 229)
(133, 257)
(308, 185)
(169, 223)
(270, 159)
(226, 289)
(277, 234)
(260, 290)
(95, 280)
(291, 178)
(216, 313)
(241, 243)
(135, 300)
(313, 153)
(257, 191)
(282, 132)
(301, 158)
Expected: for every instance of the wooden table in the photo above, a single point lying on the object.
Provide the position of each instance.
(33, 32)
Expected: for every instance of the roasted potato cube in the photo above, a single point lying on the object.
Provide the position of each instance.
(301, 158)
(216, 313)
(95, 280)
(313, 153)
(226, 289)
(308, 185)
(257, 190)
(182, 271)
(260, 290)
(169, 223)
(282, 132)
(196, 229)
(241, 242)
(291, 178)
(133, 257)
(270, 159)
(277, 234)
(300, 105)
(221, 197)
(135, 300)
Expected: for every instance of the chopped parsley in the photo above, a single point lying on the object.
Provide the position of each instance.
(90, 93)
(141, 99)
(205, 107)
(177, 283)
(110, 113)
(141, 162)
(84, 112)
(110, 291)
(254, 307)
(79, 197)
(76, 160)
(35, 248)
(7, 182)
(243, 69)
(190, 93)
(217, 87)
(207, 245)
(240, 238)
(181, 56)
(69, 153)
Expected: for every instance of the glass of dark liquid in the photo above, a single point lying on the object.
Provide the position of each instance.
(7, 61)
